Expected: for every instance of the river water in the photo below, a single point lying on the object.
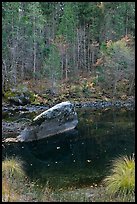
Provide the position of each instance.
(81, 157)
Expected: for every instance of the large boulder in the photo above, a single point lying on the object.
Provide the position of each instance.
(58, 119)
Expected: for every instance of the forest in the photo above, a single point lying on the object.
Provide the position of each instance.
(68, 101)
(74, 47)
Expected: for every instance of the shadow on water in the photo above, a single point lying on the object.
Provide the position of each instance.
(82, 156)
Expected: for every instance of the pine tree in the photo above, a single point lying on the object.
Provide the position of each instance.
(67, 29)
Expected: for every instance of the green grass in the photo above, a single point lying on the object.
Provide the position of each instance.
(121, 181)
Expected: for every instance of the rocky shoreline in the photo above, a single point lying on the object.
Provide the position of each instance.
(93, 104)
(15, 127)
(130, 103)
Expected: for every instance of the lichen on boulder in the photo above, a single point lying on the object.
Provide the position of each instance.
(58, 119)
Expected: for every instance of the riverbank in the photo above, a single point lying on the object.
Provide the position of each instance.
(84, 89)
(30, 192)
(13, 128)
(89, 194)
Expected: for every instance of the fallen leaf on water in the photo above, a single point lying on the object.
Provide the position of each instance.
(88, 161)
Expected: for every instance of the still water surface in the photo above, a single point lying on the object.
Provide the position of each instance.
(83, 156)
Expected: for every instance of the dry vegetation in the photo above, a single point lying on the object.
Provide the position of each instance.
(16, 187)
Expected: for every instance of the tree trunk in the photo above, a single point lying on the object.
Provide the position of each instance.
(4, 75)
(78, 46)
(93, 56)
(126, 29)
(66, 68)
(34, 45)
(131, 85)
(13, 54)
(88, 55)
(62, 65)
(84, 48)
(22, 33)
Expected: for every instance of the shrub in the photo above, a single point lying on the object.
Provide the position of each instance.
(12, 174)
(12, 167)
(121, 181)
(118, 63)
(16, 187)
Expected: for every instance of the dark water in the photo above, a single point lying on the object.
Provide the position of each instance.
(83, 156)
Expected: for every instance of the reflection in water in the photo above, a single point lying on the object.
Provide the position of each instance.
(83, 155)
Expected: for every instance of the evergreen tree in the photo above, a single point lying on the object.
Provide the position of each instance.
(67, 29)
(33, 33)
(53, 67)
